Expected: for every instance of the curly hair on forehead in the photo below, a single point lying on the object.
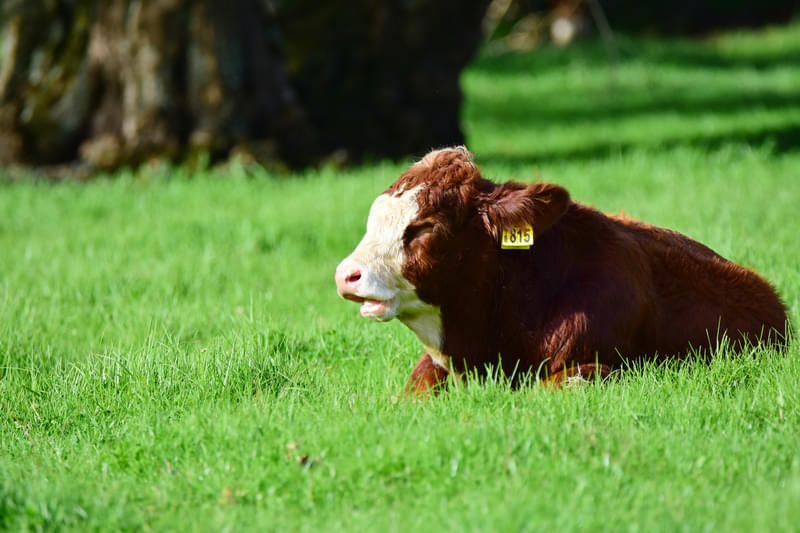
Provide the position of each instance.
(447, 168)
(446, 156)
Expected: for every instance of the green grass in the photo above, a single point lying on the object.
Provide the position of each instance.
(173, 355)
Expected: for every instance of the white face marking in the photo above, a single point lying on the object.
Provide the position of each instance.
(381, 254)
(381, 248)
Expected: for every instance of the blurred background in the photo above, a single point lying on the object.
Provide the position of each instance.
(88, 85)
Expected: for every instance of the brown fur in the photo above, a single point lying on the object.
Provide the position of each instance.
(593, 289)
(426, 376)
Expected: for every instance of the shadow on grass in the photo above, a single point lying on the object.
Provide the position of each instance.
(744, 87)
(630, 102)
(779, 139)
(674, 52)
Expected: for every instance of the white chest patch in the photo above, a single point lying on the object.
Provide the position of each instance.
(426, 322)
(439, 358)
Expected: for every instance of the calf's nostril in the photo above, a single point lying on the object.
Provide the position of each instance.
(355, 276)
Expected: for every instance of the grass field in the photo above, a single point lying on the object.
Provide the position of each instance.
(173, 355)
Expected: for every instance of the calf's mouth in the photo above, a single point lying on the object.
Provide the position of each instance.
(369, 306)
(373, 308)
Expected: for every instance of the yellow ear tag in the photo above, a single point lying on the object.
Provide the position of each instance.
(517, 238)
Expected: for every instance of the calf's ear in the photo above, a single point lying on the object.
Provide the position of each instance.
(539, 204)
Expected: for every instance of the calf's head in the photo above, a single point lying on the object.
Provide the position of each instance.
(436, 227)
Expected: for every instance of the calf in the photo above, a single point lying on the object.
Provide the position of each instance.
(589, 293)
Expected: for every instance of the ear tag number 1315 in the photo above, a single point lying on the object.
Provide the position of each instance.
(517, 238)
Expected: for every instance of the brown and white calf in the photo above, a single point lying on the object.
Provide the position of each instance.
(592, 292)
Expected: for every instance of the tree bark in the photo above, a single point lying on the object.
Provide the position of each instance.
(44, 96)
(113, 82)
(382, 78)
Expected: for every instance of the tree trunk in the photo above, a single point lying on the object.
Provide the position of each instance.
(123, 81)
(382, 78)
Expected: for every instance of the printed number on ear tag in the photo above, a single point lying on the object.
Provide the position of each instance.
(517, 238)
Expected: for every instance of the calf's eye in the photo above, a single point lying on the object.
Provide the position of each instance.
(416, 231)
